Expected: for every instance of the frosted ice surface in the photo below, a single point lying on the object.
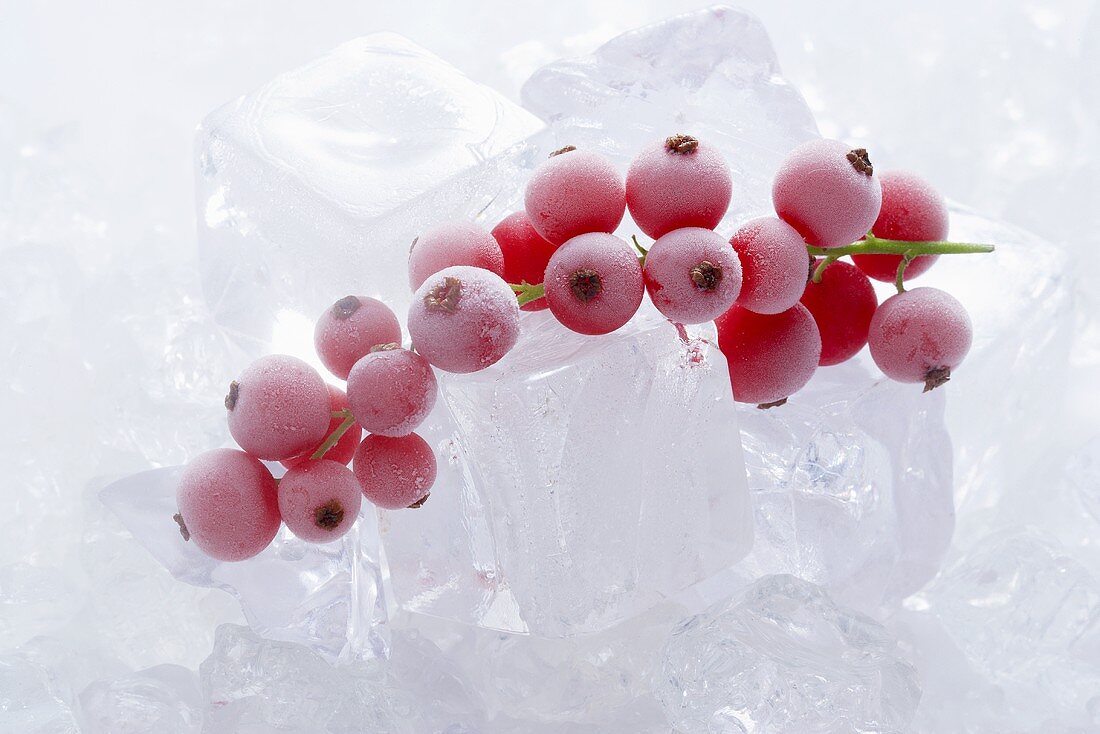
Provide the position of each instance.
(161, 700)
(314, 186)
(581, 481)
(783, 657)
(328, 596)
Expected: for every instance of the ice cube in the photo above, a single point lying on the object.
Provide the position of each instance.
(161, 700)
(314, 186)
(783, 657)
(30, 702)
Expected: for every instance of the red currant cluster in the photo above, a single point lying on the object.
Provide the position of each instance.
(782, 301)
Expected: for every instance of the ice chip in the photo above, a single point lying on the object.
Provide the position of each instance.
(161, 700)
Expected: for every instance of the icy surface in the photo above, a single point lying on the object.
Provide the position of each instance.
(783, 657)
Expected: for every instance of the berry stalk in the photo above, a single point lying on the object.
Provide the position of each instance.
(337, 433)
(526, 292)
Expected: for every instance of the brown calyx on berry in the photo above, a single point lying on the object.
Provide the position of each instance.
(183, 527)
(681, 144)
(774, 404)
(861, 161)
(232, 395)
(420, 502)
(585, 284)
(345, 307)
(559, 151)
(706, 275)
(388, 347)
(935, 377)
(444, 297)
(329, 515)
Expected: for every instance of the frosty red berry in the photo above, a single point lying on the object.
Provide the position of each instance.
(594, 283)
(842, 304)
(453, 243)
(770, 357)
(574, 192)
(526, 253)
(920, 335)
(692, 275)
(675, 183)
(277, 408)
(912, 210)
(773, 265)
(348, 330)
(391, 390)
(395, 472)
(319, 501)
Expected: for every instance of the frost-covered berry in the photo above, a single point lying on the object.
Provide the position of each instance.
(770, 356)
(828, 192)
(464, 319)
(574, 192)
(278, 408)
(348, 330)
(920, 335)
(395, 472)
(594, 283)
(319, 501)
(453, 243)
(842, 304)
(692, 275)
(526, 253)
(774, 265)
(344, 448)
(913, 211)
(391, 390)
(228, 504)
(677, 182)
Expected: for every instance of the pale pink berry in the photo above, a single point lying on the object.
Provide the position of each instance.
(920, 335)
(770, 356)
(395, 472)
(692, 275)
(913, 211)
(319, 501)
(391, 391)
(453, 243)
(827, 190)
(774, 265)
(349, 328)
(278, 408)
(594, 283)
(574, 192)
(675, 183)
(227, 504)
(344, 447)
(464, 319)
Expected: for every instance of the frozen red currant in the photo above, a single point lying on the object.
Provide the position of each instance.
(842, 305)
(677, 182)
(344, 448)
(594, 283)
(526, 253)
(227, 504)
(920, 335)
(453, 243)
(574, 192)
(348, 330)
(391, 390)
(692, 275)
(774, 265)
(464, 319)
(319, 501)
(395, 472)
(828, 192)
(770, 356)
(278, 408)
(913, 211)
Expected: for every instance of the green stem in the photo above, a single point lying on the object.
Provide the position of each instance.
(641, 250)
(336, 435)
(899, 280)
(878, 246)
(820, 269)
(526, 292)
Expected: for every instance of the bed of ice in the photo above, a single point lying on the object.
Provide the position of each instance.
(920, 563)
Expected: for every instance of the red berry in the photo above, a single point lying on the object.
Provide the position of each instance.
(574, 192)
(395, 472)
(912, 211)
(464, 319)
(828, 192)
(348, 330)
(391, 391)
(278, 408)
(692, 275)
(920, 335)
(526, 253)
(774, 265)
(319, 501)
(344, 448)
(453, 243)
(842, 305)
(770, 357)
(677, 182)
(594, 283)
(228, 504)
